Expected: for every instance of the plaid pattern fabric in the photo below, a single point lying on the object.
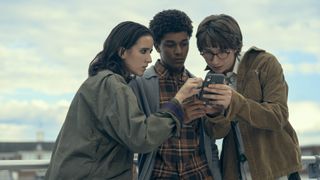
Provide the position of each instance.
(179, 158)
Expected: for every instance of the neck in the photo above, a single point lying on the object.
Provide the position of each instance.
(173, 70)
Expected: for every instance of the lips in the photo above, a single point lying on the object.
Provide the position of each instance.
(179, 61)
(215, 68)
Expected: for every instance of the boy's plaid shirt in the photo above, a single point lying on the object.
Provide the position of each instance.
(179, 155)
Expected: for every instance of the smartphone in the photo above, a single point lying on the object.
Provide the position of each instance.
(211, 78)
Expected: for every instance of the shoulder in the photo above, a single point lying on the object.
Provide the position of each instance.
(149, 73)
(257, 55)
(258, 52)
(149, 82)
(105, 79)
(107, 74)
(256, 58)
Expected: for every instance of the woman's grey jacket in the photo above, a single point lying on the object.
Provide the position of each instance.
(103, 128)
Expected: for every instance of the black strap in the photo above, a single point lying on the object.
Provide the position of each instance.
(241, 157)
(294, 176)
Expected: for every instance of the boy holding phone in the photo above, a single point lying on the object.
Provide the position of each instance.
(259, 141)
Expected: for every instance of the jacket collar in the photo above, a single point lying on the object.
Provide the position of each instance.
(150, 72)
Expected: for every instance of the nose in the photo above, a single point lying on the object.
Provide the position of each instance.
(214, 60)
(149, 59)
(178, 50)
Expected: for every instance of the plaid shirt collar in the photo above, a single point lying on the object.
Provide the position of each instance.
(166, 73)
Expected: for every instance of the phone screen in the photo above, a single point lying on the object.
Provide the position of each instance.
(211, 78)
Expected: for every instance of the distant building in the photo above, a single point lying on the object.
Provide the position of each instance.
(24, 151)
(310, 150)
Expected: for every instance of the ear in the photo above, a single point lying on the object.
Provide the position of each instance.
(121, 52)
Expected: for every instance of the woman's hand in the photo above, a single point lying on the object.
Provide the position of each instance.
(190, 87)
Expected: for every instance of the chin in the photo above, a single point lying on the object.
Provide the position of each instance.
(178, 68)
(139, 74)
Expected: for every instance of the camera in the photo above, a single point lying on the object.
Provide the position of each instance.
(211, 78)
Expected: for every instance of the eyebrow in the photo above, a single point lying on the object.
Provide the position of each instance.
(212, 49)
(172, 41)
(145, 48)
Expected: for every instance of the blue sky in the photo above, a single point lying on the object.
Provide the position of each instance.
(46, 46)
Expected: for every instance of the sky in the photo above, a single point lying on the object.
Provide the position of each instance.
(46, 47)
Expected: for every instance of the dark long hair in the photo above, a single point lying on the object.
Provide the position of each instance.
(124, 35)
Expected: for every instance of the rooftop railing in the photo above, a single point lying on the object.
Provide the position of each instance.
(312, 164)
(14, 165)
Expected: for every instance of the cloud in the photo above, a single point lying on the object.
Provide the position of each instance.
(309, 138)
(303, 68)
(30, 116)
(13, 132)
(304, 116)
(25, 68)
(21, 120)
(33, 112)
(43, 43)
(45, 49)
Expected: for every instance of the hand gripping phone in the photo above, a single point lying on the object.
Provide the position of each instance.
(211, 78)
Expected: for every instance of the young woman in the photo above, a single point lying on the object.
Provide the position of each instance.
(104, 125)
